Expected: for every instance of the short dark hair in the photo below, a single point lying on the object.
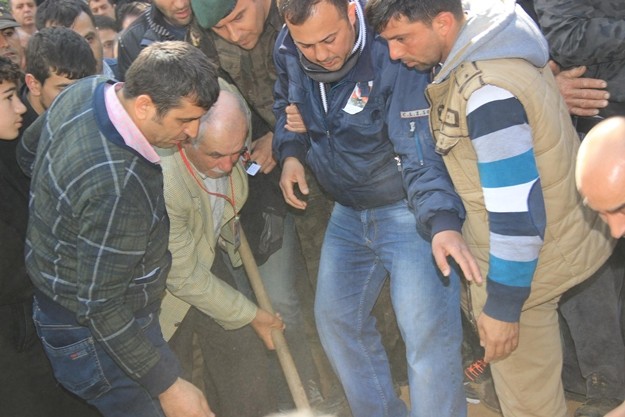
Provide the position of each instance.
(105, 22)
(61, 51)
(10, 71)
(380, 12)
(298, 11)
(111, 2)
(61, 13)
(129, 8)
(169, 71)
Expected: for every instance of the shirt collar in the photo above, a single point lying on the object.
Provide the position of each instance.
(133, 137)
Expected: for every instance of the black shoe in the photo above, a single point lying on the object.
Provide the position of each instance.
(597, 407)
(479, 383)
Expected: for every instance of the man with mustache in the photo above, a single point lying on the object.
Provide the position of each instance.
(244, 32)
(205, 187)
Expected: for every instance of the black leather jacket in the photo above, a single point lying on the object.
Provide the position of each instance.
(151, 27)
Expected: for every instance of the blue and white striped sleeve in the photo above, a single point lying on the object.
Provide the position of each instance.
(502, 139)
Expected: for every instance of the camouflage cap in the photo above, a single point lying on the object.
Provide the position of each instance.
(6, 20)
(209, 12)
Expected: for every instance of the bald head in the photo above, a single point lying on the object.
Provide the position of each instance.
(600, 172)
(225, 118)
(221, 136)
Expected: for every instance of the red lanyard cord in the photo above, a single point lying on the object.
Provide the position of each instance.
(201, 183)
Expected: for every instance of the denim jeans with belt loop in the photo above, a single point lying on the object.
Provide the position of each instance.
(359, 248)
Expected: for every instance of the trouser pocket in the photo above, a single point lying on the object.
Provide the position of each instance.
(72, 353)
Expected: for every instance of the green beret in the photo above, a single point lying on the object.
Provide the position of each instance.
(209, 12)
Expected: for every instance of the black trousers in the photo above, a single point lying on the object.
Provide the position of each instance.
(231, 365)
(594, 352)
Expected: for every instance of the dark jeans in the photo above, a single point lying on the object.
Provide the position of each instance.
(27, 385)
(85, 368)
(594, 352)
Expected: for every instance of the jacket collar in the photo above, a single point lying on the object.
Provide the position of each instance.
(157, 24)
(273, 18)
(362, 71)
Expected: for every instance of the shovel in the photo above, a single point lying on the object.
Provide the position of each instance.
(284, 355)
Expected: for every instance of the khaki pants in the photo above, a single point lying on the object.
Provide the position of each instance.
(529, 381)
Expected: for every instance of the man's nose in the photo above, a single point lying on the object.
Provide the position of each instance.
(226, 163)
(233, 33)
(192, 128)
(394, 51)
(617, 224)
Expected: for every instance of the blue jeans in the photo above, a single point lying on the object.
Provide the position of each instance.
(83, 367)
(359, 248)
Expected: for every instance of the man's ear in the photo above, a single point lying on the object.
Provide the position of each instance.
(443, 23)
(33, 84)
(144, 107)
(351, 12)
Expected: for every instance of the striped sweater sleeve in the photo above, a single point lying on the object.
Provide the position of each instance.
(502, 139)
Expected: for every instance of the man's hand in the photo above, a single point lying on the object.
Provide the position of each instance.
(293, 173)
(450, 243)
(183, 399)
(498, 338)
(294, 121)
(583, 96)
(262, 154)
(264, 323)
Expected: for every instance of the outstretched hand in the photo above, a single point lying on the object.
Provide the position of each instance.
(451, 243)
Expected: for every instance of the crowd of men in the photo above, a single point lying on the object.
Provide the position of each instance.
(427, 144)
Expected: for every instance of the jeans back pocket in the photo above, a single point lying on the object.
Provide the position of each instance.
(72, 353)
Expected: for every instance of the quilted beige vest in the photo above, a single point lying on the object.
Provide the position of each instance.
(576, 241)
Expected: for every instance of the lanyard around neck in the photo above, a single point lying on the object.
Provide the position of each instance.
(193, 173)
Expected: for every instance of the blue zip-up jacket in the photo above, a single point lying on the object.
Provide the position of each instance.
(351, 154)
(430, 191)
